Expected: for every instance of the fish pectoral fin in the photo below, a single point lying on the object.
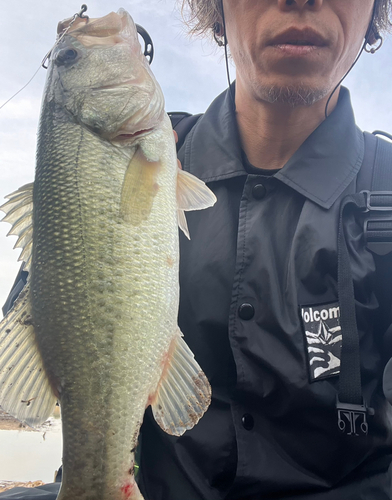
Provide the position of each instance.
(183, 393)
(25, 391)
(19, 213)
(192, 193)
(139, 188)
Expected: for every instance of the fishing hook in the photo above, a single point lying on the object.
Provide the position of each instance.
(82, 11)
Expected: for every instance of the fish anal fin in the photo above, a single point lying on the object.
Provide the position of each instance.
(25, 390)
(139, 188)
(184, 393)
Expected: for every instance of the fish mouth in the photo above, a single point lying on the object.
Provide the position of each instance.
(136, 128)
(126, 137)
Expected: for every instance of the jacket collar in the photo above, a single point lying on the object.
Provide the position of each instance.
(321, 169)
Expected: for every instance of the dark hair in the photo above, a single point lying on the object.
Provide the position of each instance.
(383, 16)
(200, 16)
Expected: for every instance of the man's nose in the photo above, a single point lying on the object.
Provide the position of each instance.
(299, 4)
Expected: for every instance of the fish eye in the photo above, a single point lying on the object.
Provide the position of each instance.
(66, 56)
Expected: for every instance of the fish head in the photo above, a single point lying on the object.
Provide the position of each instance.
(100, 75)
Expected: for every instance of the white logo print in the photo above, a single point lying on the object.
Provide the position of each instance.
(324, 339)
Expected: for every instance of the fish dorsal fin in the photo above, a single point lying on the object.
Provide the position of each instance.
(139, 188)
(183, 393)
(192, 194)
(25, 391)
(19, 212)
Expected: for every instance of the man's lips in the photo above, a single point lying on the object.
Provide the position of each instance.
(299, 37)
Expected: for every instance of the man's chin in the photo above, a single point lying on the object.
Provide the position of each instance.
(292, 95)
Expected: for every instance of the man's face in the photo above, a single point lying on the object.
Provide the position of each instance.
(294, 51)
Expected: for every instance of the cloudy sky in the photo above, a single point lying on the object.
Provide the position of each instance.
(191, 74)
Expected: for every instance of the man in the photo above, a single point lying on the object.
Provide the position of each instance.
(261, 306)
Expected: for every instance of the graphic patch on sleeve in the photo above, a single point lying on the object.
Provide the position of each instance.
(323, 339)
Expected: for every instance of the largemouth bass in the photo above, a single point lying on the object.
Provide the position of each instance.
(96, 325)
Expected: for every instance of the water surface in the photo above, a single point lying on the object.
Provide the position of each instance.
(31, 456)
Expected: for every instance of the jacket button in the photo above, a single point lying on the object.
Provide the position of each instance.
(247, 422)
(246, 311)
(259, 191)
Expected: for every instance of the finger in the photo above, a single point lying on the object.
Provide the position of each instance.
(175, 136)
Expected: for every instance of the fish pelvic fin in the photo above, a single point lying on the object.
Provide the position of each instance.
(19, 213)
(25, 391)
(182, 223)
(139, 188)
(183, 393)
(192, 194)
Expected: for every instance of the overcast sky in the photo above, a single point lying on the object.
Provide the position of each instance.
(191, 74)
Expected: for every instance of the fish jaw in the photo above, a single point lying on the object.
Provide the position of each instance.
(104, 80)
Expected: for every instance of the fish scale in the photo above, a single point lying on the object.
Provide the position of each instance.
(96, 325)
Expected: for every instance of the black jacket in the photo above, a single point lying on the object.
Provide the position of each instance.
(259, 309)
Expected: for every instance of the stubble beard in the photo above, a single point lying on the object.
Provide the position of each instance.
(292, 95)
